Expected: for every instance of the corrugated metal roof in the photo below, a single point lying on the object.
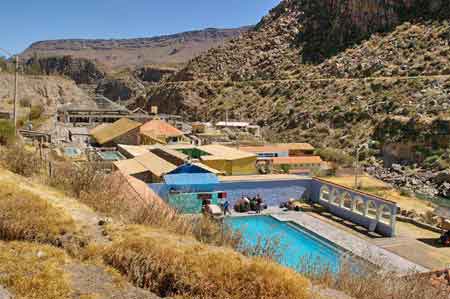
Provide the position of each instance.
(207, 168)
(221, 152)
(172, 152)
(159, 128)
(297, 160)
(155, 164)
(281, 147)
(191, 179)
(130, 167)
(106, 133)
(135, 150)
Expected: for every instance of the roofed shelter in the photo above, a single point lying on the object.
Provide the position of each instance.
(123, 131)
(148, 167)
(189, 186)
(160, 132)
(229, 160)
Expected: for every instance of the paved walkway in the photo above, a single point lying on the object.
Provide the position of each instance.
(357, 246)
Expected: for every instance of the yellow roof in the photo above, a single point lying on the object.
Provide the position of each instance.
(106, 133)
(207, 168)
(221, 152)
(155, 164)
(130, 167)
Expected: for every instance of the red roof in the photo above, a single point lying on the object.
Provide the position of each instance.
(159, 128)
(297, 160)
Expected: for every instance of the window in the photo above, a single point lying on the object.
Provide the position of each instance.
(371, 209)
(385, 214)
(359, 206)
(325, 193)
(335, 198)
(347, 201)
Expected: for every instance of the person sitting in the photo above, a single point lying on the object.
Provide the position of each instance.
(445, 238)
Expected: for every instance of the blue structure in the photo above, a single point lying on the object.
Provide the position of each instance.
(198, 182)
(188, 186)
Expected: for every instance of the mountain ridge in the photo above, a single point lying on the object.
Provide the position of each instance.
(166, 50)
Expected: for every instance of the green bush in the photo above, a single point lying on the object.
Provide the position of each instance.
(36, 112)
(6, 132)
(335, 155)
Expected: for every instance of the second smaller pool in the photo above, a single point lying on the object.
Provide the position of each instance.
(297, 247)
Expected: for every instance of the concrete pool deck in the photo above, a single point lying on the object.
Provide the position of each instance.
(348, 242)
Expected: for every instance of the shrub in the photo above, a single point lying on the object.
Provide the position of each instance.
(183, 268)
(6, 132)
(18, 159)
(335, 155)
(36, 112)
(76, 179)
(25, 102)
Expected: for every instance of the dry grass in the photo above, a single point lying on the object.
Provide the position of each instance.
(33, 271)
(369, 282)
(174, 265)
(20, 160)
(25, 216)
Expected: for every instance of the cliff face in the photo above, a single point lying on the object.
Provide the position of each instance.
(82, 71)
(333, 25)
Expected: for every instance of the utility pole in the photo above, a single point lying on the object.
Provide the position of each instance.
(16, 90)
(16, 87)
(357, 167)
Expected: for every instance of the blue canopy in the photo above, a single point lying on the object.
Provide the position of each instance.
(188, 168)
(192, 182)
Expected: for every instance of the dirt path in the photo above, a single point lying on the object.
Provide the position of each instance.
(84, 216)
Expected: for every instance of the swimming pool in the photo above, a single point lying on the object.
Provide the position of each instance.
(296, 245)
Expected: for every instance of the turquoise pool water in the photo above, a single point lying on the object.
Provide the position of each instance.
(295, 245)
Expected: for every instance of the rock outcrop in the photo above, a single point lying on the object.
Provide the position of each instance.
(333, 25)
(47, 91)
(82, 71)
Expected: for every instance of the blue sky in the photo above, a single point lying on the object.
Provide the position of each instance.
(25, 21)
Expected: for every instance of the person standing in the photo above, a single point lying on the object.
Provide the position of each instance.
(226, 208)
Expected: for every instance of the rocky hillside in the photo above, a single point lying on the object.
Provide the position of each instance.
(328, 72)
(46, 91)
(170, 50)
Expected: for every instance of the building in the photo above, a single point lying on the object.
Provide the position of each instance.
(228, 160)
(296, 164)
(123, 131)
(99, 110)
(280, 150)
(147, 167)
(160, 132)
